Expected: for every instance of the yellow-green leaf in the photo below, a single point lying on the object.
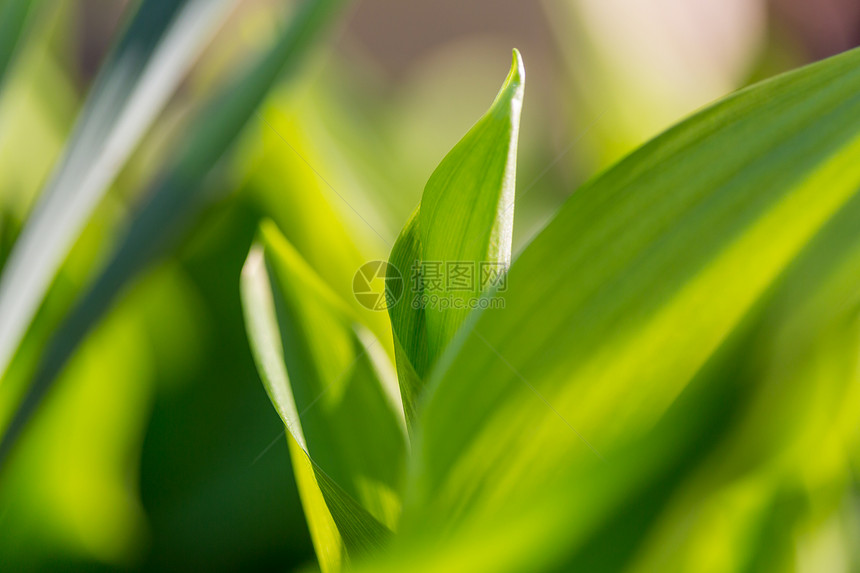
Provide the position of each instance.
(575, 408)
(331, 383)
(463, 223)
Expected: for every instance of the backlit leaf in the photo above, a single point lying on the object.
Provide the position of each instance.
(622, 333)
(332, 384)
(464, 222)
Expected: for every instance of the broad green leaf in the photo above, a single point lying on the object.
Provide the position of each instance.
(785, 457)
(161, 42)
(625, 298)
(756, 447)
(177, 196)
(331, 383)
(464, 222)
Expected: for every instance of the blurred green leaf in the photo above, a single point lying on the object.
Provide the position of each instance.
(71, 490)
(151, 58)
(176, 196)
(618, 305)
(332, 385)
(465, 218)
(15, 19)
(286, 189)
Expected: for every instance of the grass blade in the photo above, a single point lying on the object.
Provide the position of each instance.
(176, 197)
(160, 44)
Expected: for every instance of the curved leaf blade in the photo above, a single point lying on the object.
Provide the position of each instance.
(327, 378)
(464, 222)
(466, 214)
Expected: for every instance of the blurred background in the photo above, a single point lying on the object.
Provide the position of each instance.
(158, 447)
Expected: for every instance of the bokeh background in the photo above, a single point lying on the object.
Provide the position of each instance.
(159, 449)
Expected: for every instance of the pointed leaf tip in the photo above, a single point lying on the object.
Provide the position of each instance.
(510, 97)
(517, 75)
(465, 219)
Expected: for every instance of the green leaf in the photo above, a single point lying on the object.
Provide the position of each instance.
(332, 385)
(466, 214)
(151, 58)
(15, 19)
(623, 300)
(783, 458)
(465, 219)
(283, 187)
(759, 439)
(176, 197)
(67, 489)
(408, 323)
